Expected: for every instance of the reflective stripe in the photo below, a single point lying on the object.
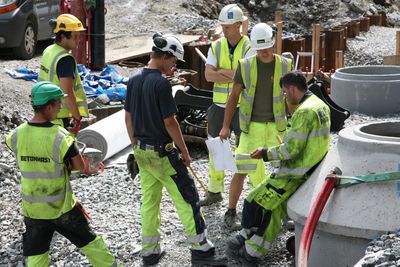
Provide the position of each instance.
(115, 264)
(244, 50)
(218, 51)
(298, 171)
(260, 242)
(46, 199)
(242, 156)
(150, 239)
(58, 172)
(274, 153)
(284, 66)
(252, 251)
(147, 252)
(197, 238)
(247, 71)
(54, 64)
(244, 117)
(220, 90)
(322, 132)
(246, 167)
(285, 153)
(246, 97)
(277, 99)
(280, 118)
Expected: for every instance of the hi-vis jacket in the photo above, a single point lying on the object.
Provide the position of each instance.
(307, 140)
(48, 72)
(220, 49)
(46, 190)
(248, 67)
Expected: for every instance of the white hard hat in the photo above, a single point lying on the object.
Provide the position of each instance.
(230, 14)
(168, 43)
(262, 36)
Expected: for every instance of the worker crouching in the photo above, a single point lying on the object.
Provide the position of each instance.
(43, 151)
(150, 120)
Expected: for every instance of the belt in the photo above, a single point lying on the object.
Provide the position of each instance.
(157, 148)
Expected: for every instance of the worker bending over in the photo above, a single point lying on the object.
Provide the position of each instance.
(262, 113)
(150, 121)
(43, 152)
(304, 146)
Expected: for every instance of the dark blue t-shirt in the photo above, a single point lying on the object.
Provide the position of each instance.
(149, 100)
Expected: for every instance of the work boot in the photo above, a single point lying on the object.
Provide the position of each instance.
(208, 258)
(152, 259)
(231, 220)
(235, 242)
(211, 198)
(242, 256)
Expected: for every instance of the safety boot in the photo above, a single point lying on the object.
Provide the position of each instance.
(211, 198)
(231, 220)
(200, 258)
(152, 259)
(235, 242)
(242, 256)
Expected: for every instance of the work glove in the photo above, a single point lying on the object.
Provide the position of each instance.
(75, 126)
(132, 165)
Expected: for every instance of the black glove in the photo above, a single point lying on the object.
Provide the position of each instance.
(265, 154)
(131, 163)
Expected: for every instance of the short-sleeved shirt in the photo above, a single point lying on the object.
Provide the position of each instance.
(149, 100)
(66, 67)
(211, 60)
(262, 105)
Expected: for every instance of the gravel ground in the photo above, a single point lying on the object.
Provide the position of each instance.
(112, 198)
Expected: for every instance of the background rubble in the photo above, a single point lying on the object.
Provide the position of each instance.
(112, 198)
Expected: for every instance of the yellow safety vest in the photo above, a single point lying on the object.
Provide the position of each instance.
(248, 68)
(306, 142)
(48, 72)
(220, 49)
(45, 186)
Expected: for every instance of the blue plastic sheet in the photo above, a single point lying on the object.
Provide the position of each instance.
(109, 82)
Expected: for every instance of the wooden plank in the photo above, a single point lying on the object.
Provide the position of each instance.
(339, 59)
(316, 46)
(391, 60)
(397, 43)
(278, 38)
(278, 16)
(129, 47)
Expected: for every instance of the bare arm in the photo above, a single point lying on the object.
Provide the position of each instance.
(230, 110)
(67, 85)
(215, 75)
(172, 126)
(129, 128)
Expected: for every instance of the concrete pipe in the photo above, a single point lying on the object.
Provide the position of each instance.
(108, 135)
(372, 90)
(353, 215)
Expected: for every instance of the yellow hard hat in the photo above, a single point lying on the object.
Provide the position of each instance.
(68, 23)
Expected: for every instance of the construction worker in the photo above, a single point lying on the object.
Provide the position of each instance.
(221, 64)
(152, 127)
(304, 146)
(46, 153)
(59, 66)
(262, 113)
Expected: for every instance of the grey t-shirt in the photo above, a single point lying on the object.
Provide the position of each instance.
(262, 105)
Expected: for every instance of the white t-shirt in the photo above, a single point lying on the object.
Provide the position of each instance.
(211, 60)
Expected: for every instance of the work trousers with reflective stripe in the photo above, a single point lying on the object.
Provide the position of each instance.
(74, 226)
(259, 135)
(263, 211)
(169, 171)
(215, 119)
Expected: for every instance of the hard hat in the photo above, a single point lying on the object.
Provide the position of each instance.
(168, 43)
(44, 91)
(67, 23)
(230, 14)
(262, 36)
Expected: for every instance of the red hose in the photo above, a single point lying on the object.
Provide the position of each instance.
(312, 219)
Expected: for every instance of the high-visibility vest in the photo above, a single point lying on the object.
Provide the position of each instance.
(45, 186)
(220, 49)
(248, 68)
(48, 72)
(306, 142)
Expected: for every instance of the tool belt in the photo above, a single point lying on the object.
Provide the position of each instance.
(163, 150)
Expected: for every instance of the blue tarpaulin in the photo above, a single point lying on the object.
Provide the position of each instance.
(108, 82)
